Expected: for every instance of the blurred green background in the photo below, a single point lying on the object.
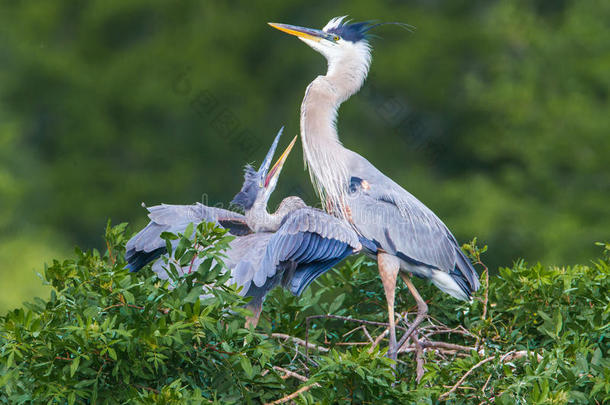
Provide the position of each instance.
(494, 113)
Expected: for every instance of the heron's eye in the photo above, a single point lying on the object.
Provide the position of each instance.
(336, 38)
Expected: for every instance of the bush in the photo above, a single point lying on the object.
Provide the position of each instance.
(108, 336)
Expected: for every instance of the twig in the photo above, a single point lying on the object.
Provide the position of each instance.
(146, 388)
(444, 345)
(194, 257)
(288, 373)
(485, 385)
(352, 343)
(486, 296)
(299, 341)
(110, 255)
(461, 380)
(461, 388)
(515, 355)
(506, 356)
(362, 321)
(510, 356)
(296, 354)
(217, 350)
(446, 331)
(293, 395)
(378, 340)
(352, 331)
(341, 318)
(121, 305)
(367, 334)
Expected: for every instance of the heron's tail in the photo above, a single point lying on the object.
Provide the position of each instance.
(461, 282)
(465, 274)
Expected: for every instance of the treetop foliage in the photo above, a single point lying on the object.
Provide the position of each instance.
(534, 334)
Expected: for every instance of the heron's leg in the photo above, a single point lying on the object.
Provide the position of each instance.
(388, 270)
(422, 309)
(256, 309)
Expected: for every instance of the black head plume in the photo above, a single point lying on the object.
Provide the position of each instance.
(359, 31)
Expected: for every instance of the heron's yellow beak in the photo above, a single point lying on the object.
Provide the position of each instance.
(277, 167)
(301, 32)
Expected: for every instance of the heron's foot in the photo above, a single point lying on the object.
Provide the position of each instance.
(413, 329)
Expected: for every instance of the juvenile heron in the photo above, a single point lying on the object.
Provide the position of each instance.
(408, 236)
(290, 247)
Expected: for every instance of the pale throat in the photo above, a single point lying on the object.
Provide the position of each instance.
(324, 155)
(260, 220)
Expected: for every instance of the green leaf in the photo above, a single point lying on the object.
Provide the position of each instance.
(74, 366)
(246, 366)
(558, 321)
(112, 353)
(129, 298)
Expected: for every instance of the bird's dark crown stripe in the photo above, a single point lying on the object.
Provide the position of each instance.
(352, 32)
(359, 31)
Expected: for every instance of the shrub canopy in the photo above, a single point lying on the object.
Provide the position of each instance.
(107, 336)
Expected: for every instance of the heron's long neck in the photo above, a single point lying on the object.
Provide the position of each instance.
(324, 155)
(260, 220)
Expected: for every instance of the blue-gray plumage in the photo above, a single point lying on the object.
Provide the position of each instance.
(408, 237)
(401, 225)
(147, 245)
(290, 247)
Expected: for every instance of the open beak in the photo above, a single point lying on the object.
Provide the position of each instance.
(267, 162)
(277, 167)
(301, 32)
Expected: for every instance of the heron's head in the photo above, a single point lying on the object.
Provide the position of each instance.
(259, 184)
(337, 41)
(343, 43)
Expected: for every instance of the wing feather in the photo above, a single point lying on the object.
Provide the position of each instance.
(322, 241)
(397, 222)
(175, 219)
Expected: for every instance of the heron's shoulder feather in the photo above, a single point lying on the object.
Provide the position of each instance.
(396, 221)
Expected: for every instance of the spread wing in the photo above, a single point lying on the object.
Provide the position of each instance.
(308, 243)
(147, 244)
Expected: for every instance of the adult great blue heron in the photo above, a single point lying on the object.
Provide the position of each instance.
(409, 237)
(291, 246)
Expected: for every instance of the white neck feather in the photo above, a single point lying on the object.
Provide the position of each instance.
(260, 220)
(324, 155)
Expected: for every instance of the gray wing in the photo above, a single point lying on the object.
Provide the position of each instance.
(243, 256)
(308, 243)
(400, 224)
(147, 244)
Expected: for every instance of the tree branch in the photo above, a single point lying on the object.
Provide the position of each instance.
(299, 341)
(288, 373)
(293, 395)
(510, 356)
